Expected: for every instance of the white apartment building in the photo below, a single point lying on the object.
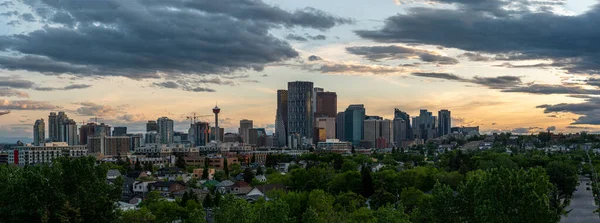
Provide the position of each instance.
(46, 153)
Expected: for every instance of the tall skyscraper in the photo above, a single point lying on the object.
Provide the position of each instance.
(354, 122)
(69, 133)
(300, 108)
(102, 130)
(56, 126)
(119, 131)
(314, 98)
(213, 132)
(424, 125)
(406, 133)
(245, 126)
(387, 132)
(340, 121)
(326, 104)
(52, 127)
(372, 130)
(328, 124)
(281, 117)
(39, 132)
(165, 129)
(217, 131)
(85, 131)
(401, 133)
(444, 123)
(151, 126)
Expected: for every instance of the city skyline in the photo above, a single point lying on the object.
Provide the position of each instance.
(353, 54)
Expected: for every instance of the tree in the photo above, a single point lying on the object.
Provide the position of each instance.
(208, 201)
(148, 166)
(564, 176)
(348, 181)
(348, 202)
(259, 170)
(381, 198)
(276, 211)
(232, 209)
(142, 215)
(138, 165)
(69, 190)
(225, 167)
(389, 214)
(248, 175)
(253, 159)
(205, 173)
(220, 175)
(180, 162)
(411, 198)
(236, 169)
(367, 181)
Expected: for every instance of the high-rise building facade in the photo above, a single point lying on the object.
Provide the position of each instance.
(69, 134)
(326, 104)
(243, 131)
(387, 132)
(424, 125)
(354, 121)
(109, 145)
(119, 131)
(300, 108)
(314, 99)
(85, 131)
(56, 126)
(151, 126)
(406, 134)
(444, 123)
(165, 129)
(52, 127)
(200, 134)
(39, 132)
(372, 130)
(401, 131)
(152, 137)
(328, 124)
(214, 131)
(340, 121)
(281, 117)
(102, 130)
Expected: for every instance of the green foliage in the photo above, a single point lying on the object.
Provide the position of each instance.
(236, 169)
(225, 167)
(367, 181)
(220, 175)
(142, 215)
(564, 176)
(259, 170)
(344, 182)
(348, 202)
(180, 162)
(389, 214)
(69, 190)
(248, 175)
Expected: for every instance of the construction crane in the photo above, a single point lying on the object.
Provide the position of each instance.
(192, 118)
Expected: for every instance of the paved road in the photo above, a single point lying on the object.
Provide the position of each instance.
(582, 204)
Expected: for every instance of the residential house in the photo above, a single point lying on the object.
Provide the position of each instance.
(240, 188)
(141, 187)
(167, 188)
(224, 186)
(200, 171)
(171, 173)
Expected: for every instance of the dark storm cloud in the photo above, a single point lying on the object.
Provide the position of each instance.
(588, 110)
(28, 17)
(500, 82)
(317, 37)
(191, 85)
(446, 76)
(260, 11)
(553, 89)
(93, 109)
(65, 88)
(9, 13)
(476, 57)
(15, 83)
(391, 52)
(501, 27)
(148, 39)
(314, 58)
(296, 37)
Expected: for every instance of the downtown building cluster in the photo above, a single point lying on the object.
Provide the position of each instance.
(307, 117)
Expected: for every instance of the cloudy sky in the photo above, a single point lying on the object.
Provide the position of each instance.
(505, 65)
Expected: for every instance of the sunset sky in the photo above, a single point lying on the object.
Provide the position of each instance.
(504, 65)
